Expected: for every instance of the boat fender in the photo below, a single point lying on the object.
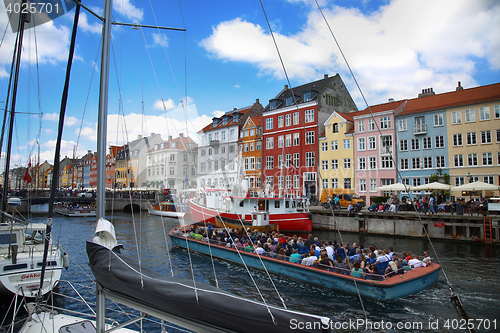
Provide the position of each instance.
(310, 215)
(65, 259)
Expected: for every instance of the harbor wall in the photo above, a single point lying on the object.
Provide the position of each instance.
(453, 227)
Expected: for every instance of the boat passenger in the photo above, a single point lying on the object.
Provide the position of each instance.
(427, 258)
(295, 257)
(282, 255)
(238, 245)
(329, 250)
(300, 242)
(289, 250)
(249, 247)
(415, 263)
(258, 249)
(362, 261)
(317, 242)
(324, 262)
(374, 274)
(356, 270)
(309, 260)
(309, 240)
(391, 270)
(352, 251)
(355, 256)
(409, 256)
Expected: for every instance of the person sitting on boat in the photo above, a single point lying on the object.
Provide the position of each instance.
(416, 263)
(427, 258)
(374, 273)
(309, 240)
(324, 262)
(248, 247)
(317, 242)
(352, 250)
(266, 247)
(289, 249)
(282, 255)
(309, 259)
(329, 249)
(316, 249)
(300, 242)
(391, 270)
(356, 270)
(355, 256)
(258, 249)
(238, 244)
(295, 257)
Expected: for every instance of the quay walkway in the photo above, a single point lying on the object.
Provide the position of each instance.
(441, 225)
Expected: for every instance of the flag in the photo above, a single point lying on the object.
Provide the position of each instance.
(186, 180)
(27, 176)
(439, 224)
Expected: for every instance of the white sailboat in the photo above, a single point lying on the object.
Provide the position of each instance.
(195, 306)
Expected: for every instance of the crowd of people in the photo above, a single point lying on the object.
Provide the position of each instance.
(356, 260)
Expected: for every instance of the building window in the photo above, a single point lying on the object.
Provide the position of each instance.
(347, 163)
(269, 123)
(427, 162)
(497, 111)
(231, 134)
(288, 181)
(485, 136)
(296, 159)
(246, 147)
(280, 121)
(281, 141)
(415, 144)
(415, 163)
(309, 137)
(172, 171)
(456, 117)
(280, 161)
(472, 159)
(309, 116)
(296, 139)
(335, 164)
(269, 162)
(471, 138)
(438, 120)
(288, 160)
(258, 145)
(280, 182)
(386, 162)
(258, 163)
(324, 146)
(457, 139)
(361, 144)
(498, 135)
(270, 181)
(385, 122)
(347, 183)
(403, 145)
(426, 142)
(487, 159)
(459, 160)
(335, 183)
(361, 126)
(372, 145)
(324, 165)
(372, 162)
(440, 162)
(373, 185)
(288, 119)
(362, 185)
(362, 163)
(459, 181)
(252, 146)
(270, 143)
(439, 141)
(252, 163)
(288, 140)
(489, 180)
(347, 144)
(324, 183)
(484, 113)
(371, 125)
(310, 159)
(402, 125)
(335, 145)
(335, 128)
(295, 118)
(470, 115)
(403, 164)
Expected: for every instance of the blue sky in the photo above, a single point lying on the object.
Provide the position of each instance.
(227, 59)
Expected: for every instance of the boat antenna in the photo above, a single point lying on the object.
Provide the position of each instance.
(55, 172)
(455, 299)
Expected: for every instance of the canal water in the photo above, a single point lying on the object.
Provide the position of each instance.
(473, 269)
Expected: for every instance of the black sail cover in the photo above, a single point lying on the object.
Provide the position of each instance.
(198, 302)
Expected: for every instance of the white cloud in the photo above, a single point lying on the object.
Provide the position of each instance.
(167, 105)
(128, 10)
(160, 39)
(237, 86)
(394, 52)
(83, 24)
(54, 117)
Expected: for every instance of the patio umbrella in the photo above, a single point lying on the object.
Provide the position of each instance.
(476, 186)
(431, 186)
(394, 187)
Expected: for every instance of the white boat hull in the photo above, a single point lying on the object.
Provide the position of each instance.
(76, 212)
(165, 213)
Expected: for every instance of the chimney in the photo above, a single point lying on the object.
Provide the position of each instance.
(257, 101)
(391, 99)
(139, 137)
(286, 86)
(153, 134)
(234, 109)
(169, 138)
(460, 86)
(427, 92)
(181, 135)
(326, 76)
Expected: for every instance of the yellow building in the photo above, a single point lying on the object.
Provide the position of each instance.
(336, 152)
(474, 137)
(250, 143)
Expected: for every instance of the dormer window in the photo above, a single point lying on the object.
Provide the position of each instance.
(289, 101)
(274, 103)
(307, 96)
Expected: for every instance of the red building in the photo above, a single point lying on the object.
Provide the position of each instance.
(291, 124)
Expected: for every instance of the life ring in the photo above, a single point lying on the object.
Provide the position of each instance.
(224, 201)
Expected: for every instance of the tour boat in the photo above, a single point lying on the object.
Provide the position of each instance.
(240, 205)
(398, 286)
(167, 209)
(21, 258)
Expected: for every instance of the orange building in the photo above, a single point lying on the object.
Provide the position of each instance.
(250, 146)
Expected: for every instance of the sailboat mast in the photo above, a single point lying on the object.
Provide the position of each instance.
(103, 110)
(101, 146)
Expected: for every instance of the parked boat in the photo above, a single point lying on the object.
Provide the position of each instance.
(398, 286)
(168, 209)
(240, 206)
(76, 212)
(21, 258)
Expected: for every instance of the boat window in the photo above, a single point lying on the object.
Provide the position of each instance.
(287, 204)
(4, 239)
(49, 263)
(14, 267)
(294, 204)
(276, 204)
(241, 203)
